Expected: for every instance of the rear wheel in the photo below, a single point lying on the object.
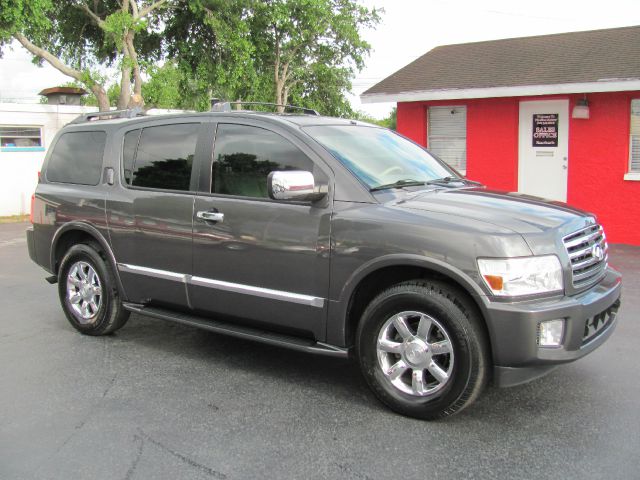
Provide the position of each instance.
(88, 292)
(422, 349)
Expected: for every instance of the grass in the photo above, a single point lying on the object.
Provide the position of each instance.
(14, 219)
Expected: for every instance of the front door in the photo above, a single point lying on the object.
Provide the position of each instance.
(544, 148)
(255, 259)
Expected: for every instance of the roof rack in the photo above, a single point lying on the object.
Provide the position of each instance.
(217, 106)
(93, 116)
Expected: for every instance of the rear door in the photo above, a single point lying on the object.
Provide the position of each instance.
(266, 261)
(150, 216)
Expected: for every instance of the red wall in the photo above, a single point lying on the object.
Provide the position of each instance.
(598, 153)
(412, 121)
(598, 160)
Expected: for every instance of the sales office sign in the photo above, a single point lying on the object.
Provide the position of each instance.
(545, 129)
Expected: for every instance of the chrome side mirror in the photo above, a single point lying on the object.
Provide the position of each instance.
(294, 185)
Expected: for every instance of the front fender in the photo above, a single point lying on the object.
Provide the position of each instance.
(338, 309)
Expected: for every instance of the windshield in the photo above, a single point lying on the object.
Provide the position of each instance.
(379, 157)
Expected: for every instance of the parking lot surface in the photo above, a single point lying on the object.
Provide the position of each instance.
(158, 400)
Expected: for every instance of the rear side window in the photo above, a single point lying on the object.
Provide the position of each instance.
(77, 158)
(244, 157)
(164, 156)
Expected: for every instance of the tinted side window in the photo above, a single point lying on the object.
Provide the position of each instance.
(129, 153)
(77, 158)
(244, 156)
(165, 156)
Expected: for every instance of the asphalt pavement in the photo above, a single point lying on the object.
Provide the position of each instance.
(163, 401)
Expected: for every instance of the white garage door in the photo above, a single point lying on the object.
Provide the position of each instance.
(447, 135)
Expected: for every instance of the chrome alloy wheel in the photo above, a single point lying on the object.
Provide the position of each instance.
(84, 291)
(415, 353)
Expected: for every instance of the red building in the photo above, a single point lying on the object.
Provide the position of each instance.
(557, 116)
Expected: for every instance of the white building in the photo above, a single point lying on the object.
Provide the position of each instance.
(26, 132)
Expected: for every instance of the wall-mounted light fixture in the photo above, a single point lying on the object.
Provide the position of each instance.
(581, 109)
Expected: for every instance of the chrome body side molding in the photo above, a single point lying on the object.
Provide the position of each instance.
(308, 300)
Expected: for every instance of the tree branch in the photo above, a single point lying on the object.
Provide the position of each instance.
(97, 20)
(145, 11)
(55, 62)
(45, 55)
(134, 8)
(285, 72)
(277, 60)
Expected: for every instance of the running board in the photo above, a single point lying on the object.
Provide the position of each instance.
(240, 331)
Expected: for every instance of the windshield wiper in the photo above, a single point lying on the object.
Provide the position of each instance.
(450, 179)
(407, 182)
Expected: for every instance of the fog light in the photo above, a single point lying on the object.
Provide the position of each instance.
(550, 333)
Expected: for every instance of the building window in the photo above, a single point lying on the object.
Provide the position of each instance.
(21, 139)
(634, 142)
(447, 135)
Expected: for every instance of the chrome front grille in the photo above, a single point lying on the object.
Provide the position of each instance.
(587, 249)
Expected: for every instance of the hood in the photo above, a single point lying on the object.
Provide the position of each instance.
(527, 215)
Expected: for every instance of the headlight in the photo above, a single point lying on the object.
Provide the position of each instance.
(522, 276)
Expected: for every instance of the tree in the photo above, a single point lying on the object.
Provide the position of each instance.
(304, 51)
(310, 43)
(211, 43)
(391, 121)
(387, 122)
(282, 51)
(77, 36)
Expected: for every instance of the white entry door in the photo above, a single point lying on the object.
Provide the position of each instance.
(543, 149)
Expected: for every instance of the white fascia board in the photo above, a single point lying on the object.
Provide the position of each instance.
(516, 91)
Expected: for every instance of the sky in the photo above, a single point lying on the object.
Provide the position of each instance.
(409, 29)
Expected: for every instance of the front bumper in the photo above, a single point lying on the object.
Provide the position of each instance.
(514, 327)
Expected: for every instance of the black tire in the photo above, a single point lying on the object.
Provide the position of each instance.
(468, 362)
(110, 314)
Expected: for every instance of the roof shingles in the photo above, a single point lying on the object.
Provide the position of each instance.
(575, 57)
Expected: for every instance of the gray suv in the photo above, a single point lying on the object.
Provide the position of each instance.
(323, 235)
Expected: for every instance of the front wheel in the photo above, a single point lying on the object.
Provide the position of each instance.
(422, 349)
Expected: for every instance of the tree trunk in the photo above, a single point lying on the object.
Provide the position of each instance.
(136, 99)
(280, 107)
(125, 86)
(102, 97)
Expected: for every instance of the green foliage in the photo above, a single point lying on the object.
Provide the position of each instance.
(162, 90)
(79, 40)
(228, 49)
(210, 39)
(387, 122)
(23, 16)
(113, 91)
(391, 121)
(317, 44)
(210, 48)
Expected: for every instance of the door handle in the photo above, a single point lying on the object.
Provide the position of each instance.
(210, 216)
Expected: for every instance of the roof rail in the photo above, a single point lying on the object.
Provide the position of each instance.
(217, 106)
(129, 113)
